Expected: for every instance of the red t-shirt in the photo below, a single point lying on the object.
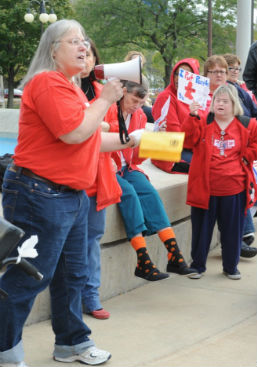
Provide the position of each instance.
(51, 107)
(227, 176)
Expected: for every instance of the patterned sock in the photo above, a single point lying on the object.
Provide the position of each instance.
(168, 237)
(138, 242)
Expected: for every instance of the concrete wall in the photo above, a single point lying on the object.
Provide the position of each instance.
(118, 257)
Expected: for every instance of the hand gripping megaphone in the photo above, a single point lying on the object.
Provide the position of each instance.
(128, 70)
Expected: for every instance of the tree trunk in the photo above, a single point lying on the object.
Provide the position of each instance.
(167, 74)
(10, 87)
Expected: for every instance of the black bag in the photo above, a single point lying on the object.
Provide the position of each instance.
(5, 160)
(10, 235)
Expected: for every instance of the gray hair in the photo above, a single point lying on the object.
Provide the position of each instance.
(140, 90)
(43, 58)
(231, 91)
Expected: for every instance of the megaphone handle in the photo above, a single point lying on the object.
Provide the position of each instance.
(122, 126)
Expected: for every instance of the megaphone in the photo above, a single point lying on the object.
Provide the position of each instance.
(128, 70)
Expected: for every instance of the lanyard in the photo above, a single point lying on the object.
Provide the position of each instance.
(122, 126)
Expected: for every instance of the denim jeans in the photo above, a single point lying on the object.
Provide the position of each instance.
(96, 226)
(59, 219)
(248, 223)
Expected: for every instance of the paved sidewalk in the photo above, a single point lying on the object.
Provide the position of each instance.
(178, 322)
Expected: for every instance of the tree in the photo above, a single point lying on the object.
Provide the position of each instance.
(157, 25)
(18, 39)
(173, 29)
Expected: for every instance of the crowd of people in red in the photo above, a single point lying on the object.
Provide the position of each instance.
(70, 164)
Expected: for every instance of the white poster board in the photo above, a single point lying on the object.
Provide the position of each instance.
(193, 87)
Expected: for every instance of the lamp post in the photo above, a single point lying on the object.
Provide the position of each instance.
(43, 16)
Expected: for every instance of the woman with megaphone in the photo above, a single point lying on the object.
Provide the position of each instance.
(141, 207)
(44, 193)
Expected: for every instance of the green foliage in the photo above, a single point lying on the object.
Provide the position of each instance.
(155, 25)
(18, 39)
(167, 30)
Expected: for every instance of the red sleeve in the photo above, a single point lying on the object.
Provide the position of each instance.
(173, 121)
(65, 111)
(172, 118)
(192, 126)
(251, 150)
(112, 118)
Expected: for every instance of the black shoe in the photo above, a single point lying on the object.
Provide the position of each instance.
(248, 239)
(182, 269)
(151, 276)
(247, 251)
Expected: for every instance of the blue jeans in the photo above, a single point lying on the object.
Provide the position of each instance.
(96, 226)
(248, 223)
(187, 155)
(141, 207)
(59, 219)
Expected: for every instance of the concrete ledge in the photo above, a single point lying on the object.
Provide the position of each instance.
(118, 258)
(9, 119)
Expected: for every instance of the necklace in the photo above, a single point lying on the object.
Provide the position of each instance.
(222, 142)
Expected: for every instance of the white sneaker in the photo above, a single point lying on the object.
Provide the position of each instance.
(92, 356)
(235, 276)
(195, 275)
(19, 364)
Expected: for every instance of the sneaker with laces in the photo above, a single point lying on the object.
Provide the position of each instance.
(235, 276)
(92, 356)
(195, 275)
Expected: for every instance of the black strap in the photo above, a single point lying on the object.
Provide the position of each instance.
(122, 126)
(243, 119)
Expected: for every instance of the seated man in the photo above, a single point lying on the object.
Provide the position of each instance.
(141, 207)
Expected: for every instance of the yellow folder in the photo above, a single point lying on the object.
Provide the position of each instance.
(165, 146)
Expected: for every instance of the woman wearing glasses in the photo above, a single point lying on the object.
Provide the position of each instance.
(216, 69)
(55, 161)
(249, 107)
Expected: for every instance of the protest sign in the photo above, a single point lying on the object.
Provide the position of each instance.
(193, 87)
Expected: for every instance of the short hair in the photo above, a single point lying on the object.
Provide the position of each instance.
(231, 91)
(130, 55)
(43, 58)
(139, 90)
(232, 59)
(214, 60)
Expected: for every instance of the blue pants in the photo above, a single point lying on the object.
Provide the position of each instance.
(187, 155)
(229, 213)
(141, 207)
(59, 219)
(96, 226)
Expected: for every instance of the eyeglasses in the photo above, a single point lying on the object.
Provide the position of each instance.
(77, 42)
(236, 70)
(216, 72)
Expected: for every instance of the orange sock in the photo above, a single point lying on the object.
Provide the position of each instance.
(166, 234)
(138, 242)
